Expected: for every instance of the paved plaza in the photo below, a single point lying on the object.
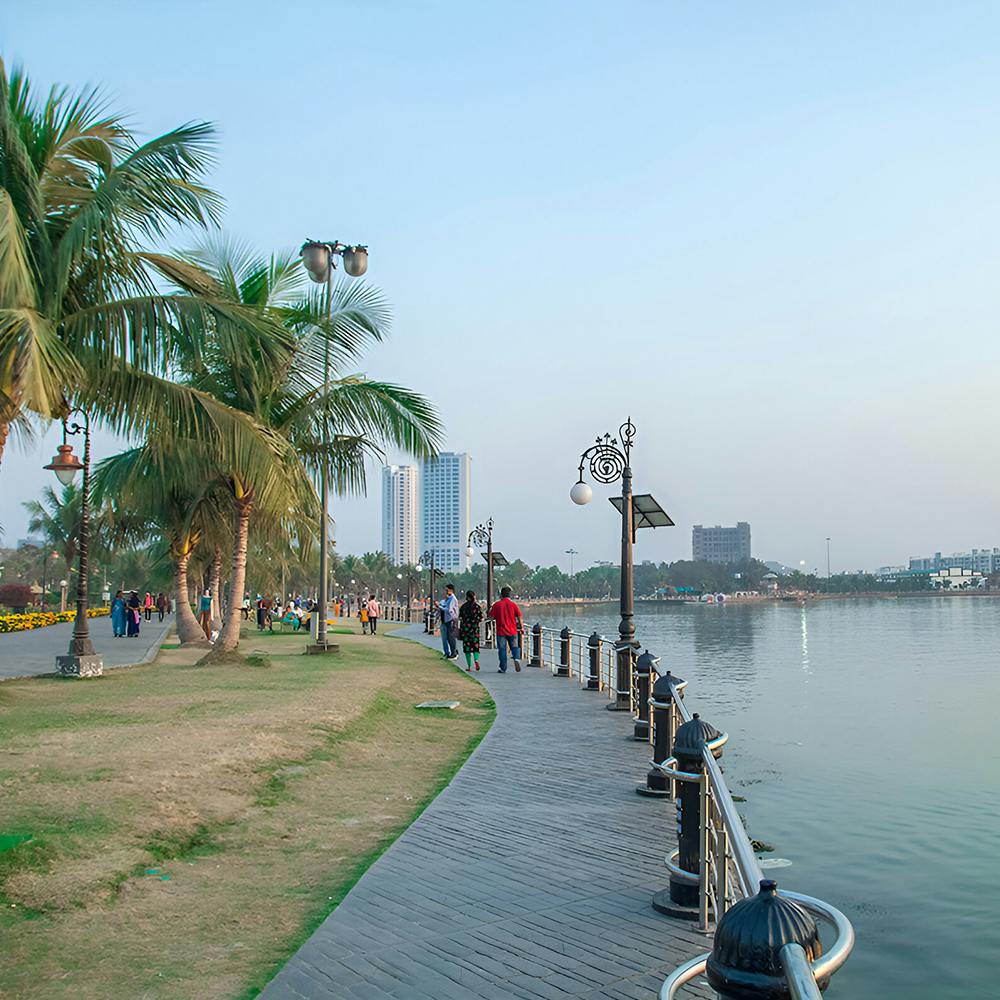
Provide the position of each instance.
(530, 876)
(34, 652)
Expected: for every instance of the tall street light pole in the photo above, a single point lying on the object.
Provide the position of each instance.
(609, 462)
(828, 558)
(482, 535)
(427, 559)
(320, 261)
(572, 576)
(81, 660)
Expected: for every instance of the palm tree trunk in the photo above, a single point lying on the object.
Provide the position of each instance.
(229, 638)
(213, 585)
(188, 629)
(4, 432)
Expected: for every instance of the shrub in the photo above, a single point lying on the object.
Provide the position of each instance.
(15, 595)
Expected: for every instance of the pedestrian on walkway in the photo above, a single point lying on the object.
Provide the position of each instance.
(448, 611)
(245, 607)
(374, 613)
(133, 614)
(470, 618)
(507, 615)
(161, 604)
(205, 613)
(147, 606)
(118, 615)
(363, 616)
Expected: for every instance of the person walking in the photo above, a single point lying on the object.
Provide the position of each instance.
(470, 618)
(205, 613)
(133, 614)
(448, 610)
(245, 607)
(118, 615)
(507, 615)
(374, 613)
(161, 604)
(363, 616)
(147, 606)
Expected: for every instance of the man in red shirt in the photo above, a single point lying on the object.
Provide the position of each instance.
(507, 615)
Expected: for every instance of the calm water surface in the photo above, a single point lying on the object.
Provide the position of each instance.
(864, 736)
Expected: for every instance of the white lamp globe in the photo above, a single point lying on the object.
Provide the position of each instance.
(581, 494)
(470, 551)
(420, 567)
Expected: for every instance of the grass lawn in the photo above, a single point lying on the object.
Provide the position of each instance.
(176, 831)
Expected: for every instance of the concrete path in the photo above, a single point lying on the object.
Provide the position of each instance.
(529, 876)
(34, 652)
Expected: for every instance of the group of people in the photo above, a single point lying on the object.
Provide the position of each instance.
(369, 612)
(464, 622)
(128, 611)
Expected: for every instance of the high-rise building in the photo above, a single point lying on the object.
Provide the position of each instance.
(400, 539)
(446, 509)
(719, 544)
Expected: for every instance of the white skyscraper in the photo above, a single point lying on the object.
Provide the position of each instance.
(400, 540)
(446, 509)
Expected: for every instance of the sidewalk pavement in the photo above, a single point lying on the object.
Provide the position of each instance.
(34, 652)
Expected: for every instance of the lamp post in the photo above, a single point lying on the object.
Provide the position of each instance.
(828, 558)
(320, 261)
(482, 535)
(427, 559)
(572, 576)
(81, 660)
(609, 462)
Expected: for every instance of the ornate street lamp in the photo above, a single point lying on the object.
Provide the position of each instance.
(320, 261)
(609, 462)
(427, 559)
(81, 660)
(482, 535)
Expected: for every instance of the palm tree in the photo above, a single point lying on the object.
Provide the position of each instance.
(56, 520)
(81, 320)
(338, 422)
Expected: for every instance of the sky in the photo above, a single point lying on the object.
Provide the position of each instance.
(766, 232)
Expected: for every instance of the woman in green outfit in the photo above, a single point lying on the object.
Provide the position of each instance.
(470, 617)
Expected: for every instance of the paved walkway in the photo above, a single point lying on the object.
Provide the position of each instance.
(529, 876)
(34, 652)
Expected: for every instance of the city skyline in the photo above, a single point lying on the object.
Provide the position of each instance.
(401, 514)
(781, 316)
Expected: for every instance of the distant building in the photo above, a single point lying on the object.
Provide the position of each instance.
(719, 544)
(956, 579)
(400, 498)
(446, 509)
(978, 560)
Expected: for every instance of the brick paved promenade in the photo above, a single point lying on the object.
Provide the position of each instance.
(528, 877)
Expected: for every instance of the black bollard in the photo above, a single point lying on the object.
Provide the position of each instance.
(683, 896)
(536, 646)
(746, 952)
(645, 667)
(564, 640)
(659, 785)
(624, 663)
(594, 649)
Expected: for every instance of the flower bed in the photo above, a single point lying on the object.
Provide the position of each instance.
(39, 619)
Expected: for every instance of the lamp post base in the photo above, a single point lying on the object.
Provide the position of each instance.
(88, 665)
(617, 706)
(663, 902)
(318, 648)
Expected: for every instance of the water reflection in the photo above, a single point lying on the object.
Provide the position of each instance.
(721, 630)
(804, 614)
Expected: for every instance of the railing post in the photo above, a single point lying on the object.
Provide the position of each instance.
(683, 898)
(594, 672)
(645, 666)
(564, 639)
(664, 713)
(536, 646)
(749, 956)
(624, 658)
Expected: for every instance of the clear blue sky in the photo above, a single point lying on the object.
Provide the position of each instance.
(767, 231)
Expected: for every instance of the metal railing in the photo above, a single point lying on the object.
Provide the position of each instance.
(730, 871)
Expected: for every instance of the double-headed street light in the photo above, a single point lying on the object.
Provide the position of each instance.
(320, 261)
(610, 461)
(427, 559)
(81, 660)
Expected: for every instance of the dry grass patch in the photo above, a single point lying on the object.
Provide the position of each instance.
(190, 825)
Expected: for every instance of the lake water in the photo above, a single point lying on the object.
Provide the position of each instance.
(865, 737)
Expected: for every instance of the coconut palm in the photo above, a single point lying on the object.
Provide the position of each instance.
(82, 322)
(339, 421)
(56, 520)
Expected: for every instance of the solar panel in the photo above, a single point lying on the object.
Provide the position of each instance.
(499, 559)
(646, 512)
